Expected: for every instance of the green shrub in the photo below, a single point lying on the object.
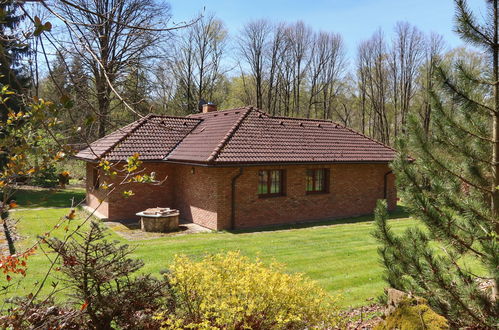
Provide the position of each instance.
(413, 314)
(53, 176)
(101, 290)
(46, 178)
(99, 276)
(75, 167)
(231, 292)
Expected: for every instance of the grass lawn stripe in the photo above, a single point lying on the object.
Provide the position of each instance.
(340, 255)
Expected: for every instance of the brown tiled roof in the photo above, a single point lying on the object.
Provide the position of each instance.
(262, 138)
(241, 136)
(207, 140)
(152, 137)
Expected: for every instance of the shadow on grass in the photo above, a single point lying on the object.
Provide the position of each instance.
(399, 213)
(32, 198)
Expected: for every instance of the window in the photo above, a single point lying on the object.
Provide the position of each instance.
(317, 180)
(270, 183)
(95, 178)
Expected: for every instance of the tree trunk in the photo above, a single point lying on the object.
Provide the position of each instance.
(103, 100)
(495, 132)
(495, 124)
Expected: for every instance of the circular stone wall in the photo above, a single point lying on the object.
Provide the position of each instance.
(159, 223)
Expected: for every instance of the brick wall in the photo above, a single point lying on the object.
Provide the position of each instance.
(203, 194)
(115, 206)
(95, 198)
(196, 194)
(146, 195)
(353, 190)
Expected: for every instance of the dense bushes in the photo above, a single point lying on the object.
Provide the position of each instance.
(43, 314)
(46, 178)
(101, 289)
(98, 272)
(59, 174)
(75, 167)
(221, 291)
(232, 292)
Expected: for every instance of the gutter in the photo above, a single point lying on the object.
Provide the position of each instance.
(240, 164)
(247, 164)
(385, 187)
(233, 199)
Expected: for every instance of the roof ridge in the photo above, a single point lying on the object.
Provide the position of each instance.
(262, 112)
(139, 122)
(300, 118)
(175, 117)
(199, 121)
(218, 111)
(229, 134)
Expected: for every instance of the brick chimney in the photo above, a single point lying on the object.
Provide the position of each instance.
(209, 107)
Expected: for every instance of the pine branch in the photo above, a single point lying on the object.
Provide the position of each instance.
(459, 95)
(468, 28)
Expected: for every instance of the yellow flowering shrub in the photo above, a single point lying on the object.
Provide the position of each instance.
(230, 291)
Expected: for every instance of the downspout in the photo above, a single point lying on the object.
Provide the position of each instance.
(385, 188)
(233, 199)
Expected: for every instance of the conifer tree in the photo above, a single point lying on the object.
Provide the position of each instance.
(12, 50)
(451, 257)
(100, 274)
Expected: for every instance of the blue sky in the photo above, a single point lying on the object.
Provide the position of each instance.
(355, 20)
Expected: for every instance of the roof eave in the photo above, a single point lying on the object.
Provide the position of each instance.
(84, 158)
(270, 163)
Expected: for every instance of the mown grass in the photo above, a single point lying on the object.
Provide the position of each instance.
(341, 255)
(33, 198)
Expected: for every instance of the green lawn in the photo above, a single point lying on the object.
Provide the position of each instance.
(30, 198)
(340, 255)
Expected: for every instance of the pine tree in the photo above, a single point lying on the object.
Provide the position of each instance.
(12, 50)
(452, 189)
(135, 90)
(81, 113)
(100, 275)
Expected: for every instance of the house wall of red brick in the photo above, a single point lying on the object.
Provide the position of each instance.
(196, 194)
(145, 195)
(225, 179)
(353, 190)
(204, 194)
(116, 206)
(95, 198)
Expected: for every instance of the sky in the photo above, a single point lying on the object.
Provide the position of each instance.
(355, 20)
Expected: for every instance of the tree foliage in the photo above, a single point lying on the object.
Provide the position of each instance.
(229, 291)
(13, 48)
(13, 75)
(452, 260)
(109, 37)
(98, 274)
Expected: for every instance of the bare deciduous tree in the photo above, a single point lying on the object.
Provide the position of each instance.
(326, 70)
(253, 43)
(432, 57)
(198, 61)
(300, 39)
(275, 52)
(406, 57)
(110, 35)
(373, 70)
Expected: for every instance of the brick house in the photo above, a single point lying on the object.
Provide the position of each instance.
(242, 168)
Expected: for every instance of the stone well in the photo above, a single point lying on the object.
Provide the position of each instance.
(158, 219)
